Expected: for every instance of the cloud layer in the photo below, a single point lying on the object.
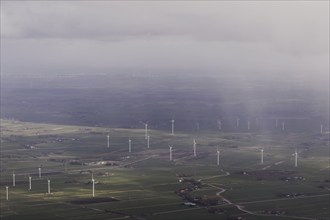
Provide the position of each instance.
(252, 37)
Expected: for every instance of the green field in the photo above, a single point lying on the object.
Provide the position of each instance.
(142, 184)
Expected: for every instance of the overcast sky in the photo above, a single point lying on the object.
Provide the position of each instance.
(251, 37)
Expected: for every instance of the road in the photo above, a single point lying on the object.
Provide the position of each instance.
(241, 208)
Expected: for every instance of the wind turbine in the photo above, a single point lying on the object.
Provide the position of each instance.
(172, 126)
(321, 129)
(296, 158)
(262, 156)
(129, 145)
(170, 152)
(48, 180)
(283, 125)
(237, 122)
(7, 197)
(39, 169)
(146, 130)
(93, 185)
(108, 137)
(219, 124)
(218, 157)
(148, 141)
(30, 182)
(14, 179)
(194, 147)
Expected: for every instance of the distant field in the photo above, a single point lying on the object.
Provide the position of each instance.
(144, 182)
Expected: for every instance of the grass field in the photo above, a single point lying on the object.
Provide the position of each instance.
(142, 184)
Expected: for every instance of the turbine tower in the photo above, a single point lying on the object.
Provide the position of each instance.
(93, 186)
(146, 130)
(321, 129)
(48, 186)
(170, 152)
(172, 126)
(219, 124)
(296, 158)
(7, 197)
(108, 137)
(148, 141)
(194, 147)
(129, 145)
(30, 182)
(14, 182)
(262, 156)
(39, 169)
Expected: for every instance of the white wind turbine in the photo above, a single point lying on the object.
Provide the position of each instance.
(172, 126)
(48, 180)
(146, 130)
(14, 181)
(108, 139)
(237, 122)
(194, 147)
(39, 169)
(170, 152)
(93, 185)
(7, 193)
(219, 124)
(30, 182)
(296, 158)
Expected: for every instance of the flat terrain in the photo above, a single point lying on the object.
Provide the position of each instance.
(145, 184)
(60, 124)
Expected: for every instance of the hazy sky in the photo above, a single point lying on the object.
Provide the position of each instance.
(240, 37)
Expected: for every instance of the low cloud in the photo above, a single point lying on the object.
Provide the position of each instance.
(270, 38)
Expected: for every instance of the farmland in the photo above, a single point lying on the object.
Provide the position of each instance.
(143, 184)
(62, 128)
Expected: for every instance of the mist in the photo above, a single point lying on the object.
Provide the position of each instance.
(235, 52)
(237, 39)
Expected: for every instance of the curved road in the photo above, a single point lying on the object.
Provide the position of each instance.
(241, 208)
